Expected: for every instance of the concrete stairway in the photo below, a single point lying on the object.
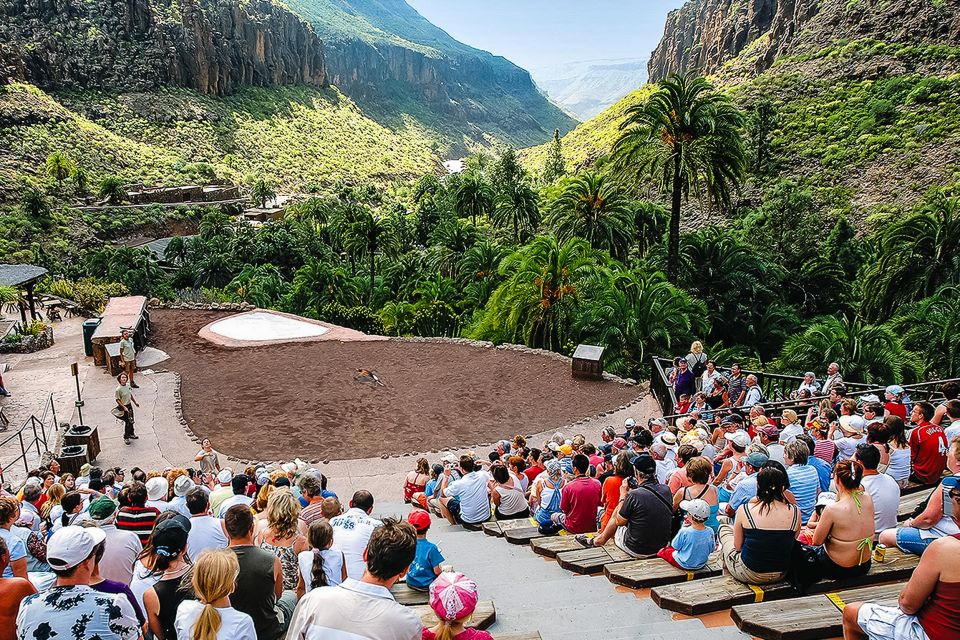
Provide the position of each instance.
(533, 593)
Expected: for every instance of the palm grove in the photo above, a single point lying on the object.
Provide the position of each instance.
(551, 258)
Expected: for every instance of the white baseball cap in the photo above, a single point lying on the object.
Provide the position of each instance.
(157, 488)
(71, 545)
(225, 476)
(698, 509)
(739, 438)
(630, 422)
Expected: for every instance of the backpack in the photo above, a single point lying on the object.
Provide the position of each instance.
(700, 365)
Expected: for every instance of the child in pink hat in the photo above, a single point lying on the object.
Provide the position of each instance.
(453, 597)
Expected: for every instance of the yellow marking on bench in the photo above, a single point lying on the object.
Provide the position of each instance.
(690, 575)
(757, 592)
(836, 600)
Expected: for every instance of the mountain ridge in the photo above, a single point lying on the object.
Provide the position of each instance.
(867, 100)
(585, 88)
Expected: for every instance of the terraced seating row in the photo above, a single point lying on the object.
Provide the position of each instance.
(768, 612)
(808, 618)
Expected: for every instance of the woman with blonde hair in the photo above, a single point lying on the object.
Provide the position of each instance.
(211, 617)
(282, 535)
(697, 360)
(54, 495)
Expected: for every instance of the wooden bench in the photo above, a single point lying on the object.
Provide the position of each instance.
(499, 527)
(550, 546)
(654, 572)
(592, 560)
(716, 594)
(522, 535)
(809, 618)
(406, 596)
(909, 503)
(483, 616)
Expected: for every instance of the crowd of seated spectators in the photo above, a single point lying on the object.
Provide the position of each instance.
(261, 553)
(269, 551)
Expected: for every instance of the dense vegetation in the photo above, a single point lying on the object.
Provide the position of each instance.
(554, 258)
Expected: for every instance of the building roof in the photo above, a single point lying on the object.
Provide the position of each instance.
(15, 275)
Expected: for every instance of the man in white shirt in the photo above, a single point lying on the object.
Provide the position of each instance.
(364, 608)
(753, 393)
(467, 500)
(238, 485)
(882, 488)
(953, 414)
(665, 467)
(206, 532)
(122, 547)
(352, 531)
(770, 438)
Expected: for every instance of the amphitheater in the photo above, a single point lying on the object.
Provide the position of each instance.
(269, 387)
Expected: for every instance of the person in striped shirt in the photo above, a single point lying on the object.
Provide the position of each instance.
(804, 480)
(134, 514)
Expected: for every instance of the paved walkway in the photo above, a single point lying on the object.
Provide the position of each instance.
(531, 592)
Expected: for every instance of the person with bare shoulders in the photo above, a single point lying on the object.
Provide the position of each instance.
(756, 548)
(843, 539)
(12, 592)
(929, 604)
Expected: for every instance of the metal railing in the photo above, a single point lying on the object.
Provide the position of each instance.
(32, 435)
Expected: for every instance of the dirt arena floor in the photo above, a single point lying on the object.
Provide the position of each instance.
(269, 401)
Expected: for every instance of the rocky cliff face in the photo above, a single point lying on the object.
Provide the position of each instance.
(702, 35)
(212, 46)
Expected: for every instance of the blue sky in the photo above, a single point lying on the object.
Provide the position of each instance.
(535, 33)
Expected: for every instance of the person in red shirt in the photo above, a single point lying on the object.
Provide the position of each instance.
(534, 465)
(928, 446)
(930, 600)
(580, 499)
(894, 402)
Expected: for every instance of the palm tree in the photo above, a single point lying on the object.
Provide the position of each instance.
(517, 207)
(177, 250)
(261, 285)
(261, 191)
(317, 284)
(474, 197)
(111, 188)
(593, 207)
(867, 353)
(365, 237)
(546, 280)
(215, 224)
(640, 315)
(916, 255)
(80, 181)
(35, 205)
(687, 137)
(59, 167)
(649, 219)
(931, 328)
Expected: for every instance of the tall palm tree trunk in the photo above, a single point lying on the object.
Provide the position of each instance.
(673, 243)
(373, 275)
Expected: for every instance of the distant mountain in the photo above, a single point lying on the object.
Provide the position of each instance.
(586, 88)
(394, 63)
(866, 93)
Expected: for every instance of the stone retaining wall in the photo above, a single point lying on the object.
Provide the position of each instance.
(29, 343)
